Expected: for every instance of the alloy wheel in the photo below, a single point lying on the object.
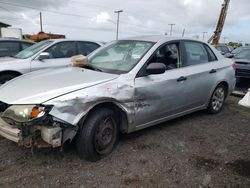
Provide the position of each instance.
(218, 99)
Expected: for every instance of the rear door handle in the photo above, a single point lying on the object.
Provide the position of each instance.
(182, 78)
(212, 71)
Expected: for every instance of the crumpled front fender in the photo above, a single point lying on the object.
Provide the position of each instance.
(71, 108)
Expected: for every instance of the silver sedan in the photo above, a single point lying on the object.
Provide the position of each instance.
(124, 86)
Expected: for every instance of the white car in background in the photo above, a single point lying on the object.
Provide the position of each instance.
(52, 53)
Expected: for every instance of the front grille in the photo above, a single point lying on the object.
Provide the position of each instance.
(243, 73)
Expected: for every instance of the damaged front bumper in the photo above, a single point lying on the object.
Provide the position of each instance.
(32, 136)
(9, 132)
(43, 130)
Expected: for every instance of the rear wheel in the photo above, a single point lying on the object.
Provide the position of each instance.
(98, 136)
(217, 100)
(6, 77)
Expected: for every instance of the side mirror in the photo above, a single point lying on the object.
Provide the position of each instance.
(156, 68)
(44, 55)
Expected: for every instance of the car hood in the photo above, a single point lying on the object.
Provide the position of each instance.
(5, 62)
(41, 86)
(8, 59)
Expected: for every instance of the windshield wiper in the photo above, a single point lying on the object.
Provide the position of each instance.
(14, 56)
(89, 66)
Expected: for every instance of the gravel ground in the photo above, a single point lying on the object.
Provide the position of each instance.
(198, 150)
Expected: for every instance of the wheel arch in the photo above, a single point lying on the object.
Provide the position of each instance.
(16, 73)
(119, 111)
(224, 83)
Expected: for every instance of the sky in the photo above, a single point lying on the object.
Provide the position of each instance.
(96, 20)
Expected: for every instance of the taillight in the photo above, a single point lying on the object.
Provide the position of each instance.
(234, 66)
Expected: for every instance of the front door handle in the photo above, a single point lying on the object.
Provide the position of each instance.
(212, 71)
(182, 78)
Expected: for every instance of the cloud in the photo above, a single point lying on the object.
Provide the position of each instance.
(139, 17)
(38, 3)
(102, 17)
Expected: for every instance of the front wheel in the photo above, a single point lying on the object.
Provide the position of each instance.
(98, 136)
(217, 100)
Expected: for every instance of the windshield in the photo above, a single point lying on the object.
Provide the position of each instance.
(237, 50)
(120, 56)
(222, 49)
(30, 51)
(243, 55)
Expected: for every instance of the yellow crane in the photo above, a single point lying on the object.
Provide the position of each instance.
(215, 38)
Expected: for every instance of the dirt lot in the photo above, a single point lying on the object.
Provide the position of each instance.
(198, 150)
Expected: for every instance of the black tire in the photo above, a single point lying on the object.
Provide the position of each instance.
(6, 77)
(217, 100)
(93, 140)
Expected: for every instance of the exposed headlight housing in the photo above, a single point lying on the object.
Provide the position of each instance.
(24, 113)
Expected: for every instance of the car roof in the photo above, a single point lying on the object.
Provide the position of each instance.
(222, 45)
(60, 40)
(157, 38)
(16, 40)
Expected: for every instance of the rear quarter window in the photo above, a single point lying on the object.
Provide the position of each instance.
(211, 55)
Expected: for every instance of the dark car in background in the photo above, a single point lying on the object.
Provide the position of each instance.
(10, 47)
(239, 49)
(242, 61)
(224, 49)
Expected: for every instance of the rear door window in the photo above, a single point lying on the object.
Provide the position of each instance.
(195, 54)
(85, 48)
(9, 48)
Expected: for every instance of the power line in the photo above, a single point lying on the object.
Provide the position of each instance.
(109, 8)
(40, 9)
(127, 11)
(67, 14)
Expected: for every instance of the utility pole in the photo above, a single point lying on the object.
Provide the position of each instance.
(183, 32)
(41, 22)
(203, 36)
(117, 23)
(171, 28)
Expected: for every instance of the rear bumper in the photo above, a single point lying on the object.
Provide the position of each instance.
(9, 132)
